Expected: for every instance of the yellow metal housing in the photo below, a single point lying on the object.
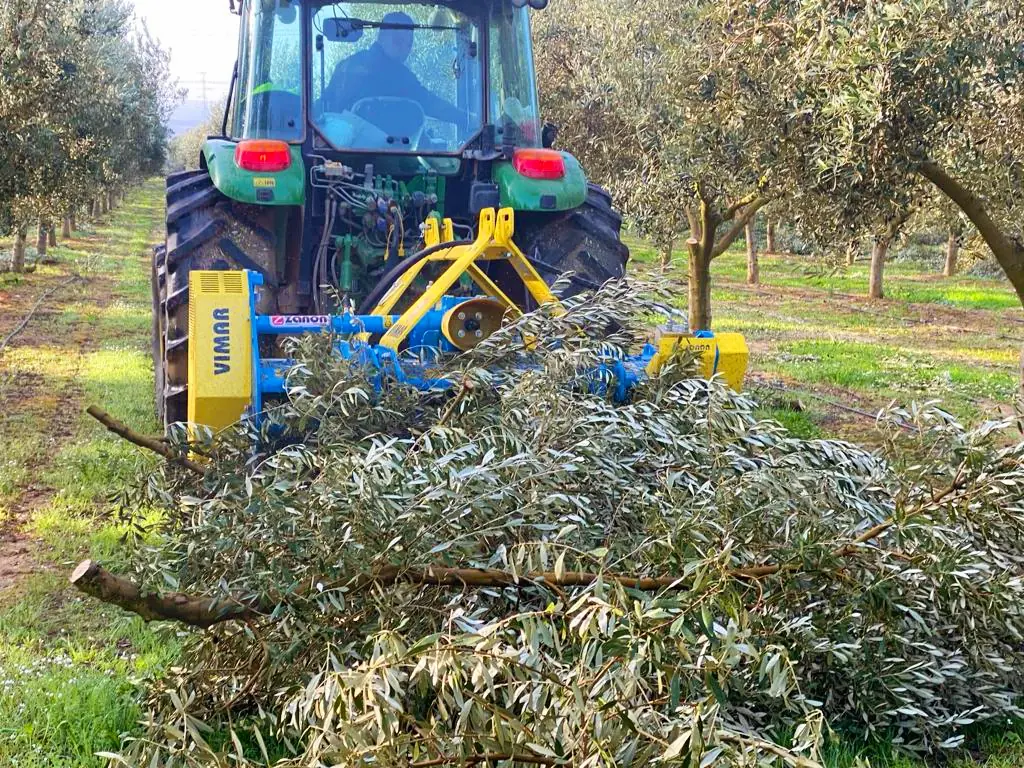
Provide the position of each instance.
(725, 354)
(472, 321)
(220, 355)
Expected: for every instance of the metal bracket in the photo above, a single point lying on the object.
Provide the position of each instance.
(493, 242)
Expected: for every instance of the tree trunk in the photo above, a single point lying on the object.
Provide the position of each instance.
(666, 255)
(708, 246)
(73, 220)
(20, 236)
(65, 228)
(878, 253)
(769, 246)
(1008, 253)
(952, 251)
(699, 287)
(111, 201)
(753, 268)
(41, 241)
(51, 232)
(104, 205)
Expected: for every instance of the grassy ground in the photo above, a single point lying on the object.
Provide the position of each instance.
(71, 670)
(69, 667)
(816, 334)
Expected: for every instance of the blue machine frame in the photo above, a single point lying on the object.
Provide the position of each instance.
(230, 378)
(411, 367)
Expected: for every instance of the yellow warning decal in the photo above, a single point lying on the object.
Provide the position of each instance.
(264, 182)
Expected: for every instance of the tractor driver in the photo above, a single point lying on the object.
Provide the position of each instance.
(380, 72)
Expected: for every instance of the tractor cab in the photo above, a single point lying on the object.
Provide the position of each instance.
(430, 80)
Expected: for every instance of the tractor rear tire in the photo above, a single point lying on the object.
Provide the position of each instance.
(159, 372)
(585, 242)
(205, 231)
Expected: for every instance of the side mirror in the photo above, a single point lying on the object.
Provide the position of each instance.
(285, 9)
(549, 135)
(443, 17)
(343, 30)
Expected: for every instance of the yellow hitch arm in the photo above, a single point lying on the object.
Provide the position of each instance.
(493, 242)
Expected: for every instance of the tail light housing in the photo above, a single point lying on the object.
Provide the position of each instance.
(539, 163)
(263, 155)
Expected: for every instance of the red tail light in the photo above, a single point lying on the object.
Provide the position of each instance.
(263, 155)
(539, 163)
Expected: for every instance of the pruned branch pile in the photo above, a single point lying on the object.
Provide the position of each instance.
(528, 573)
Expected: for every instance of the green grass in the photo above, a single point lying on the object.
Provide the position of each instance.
(811, 327)
(14, 469)
(67, 676)
(71, 669)
(888, 370)
(31, 383)
(799, 423)
(905, 281)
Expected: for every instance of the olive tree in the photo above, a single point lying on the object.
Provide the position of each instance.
(883, 96)
(83, 101)
(638, 93)
(938, 215)
(35, 61)
(844, 107)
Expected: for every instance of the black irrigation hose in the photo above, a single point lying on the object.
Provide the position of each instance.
(780, 387)
(374, 296)
(35, 307)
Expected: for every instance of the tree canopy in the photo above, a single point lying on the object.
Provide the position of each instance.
(882, 97)
(636, 91)
(84, 97)
(847, 109)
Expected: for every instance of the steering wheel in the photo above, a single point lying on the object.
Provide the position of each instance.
(402, 119)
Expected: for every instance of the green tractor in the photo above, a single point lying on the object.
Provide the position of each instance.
(350, 125)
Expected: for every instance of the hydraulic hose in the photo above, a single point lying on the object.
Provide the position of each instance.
(374, 296)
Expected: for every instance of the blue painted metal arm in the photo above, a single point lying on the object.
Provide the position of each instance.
(342, 325)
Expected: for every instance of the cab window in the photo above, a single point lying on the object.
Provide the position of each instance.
(268, 95)
(513, 92)
(396, 76)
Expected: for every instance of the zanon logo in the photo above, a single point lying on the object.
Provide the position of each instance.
(221, 342)
(280, 321)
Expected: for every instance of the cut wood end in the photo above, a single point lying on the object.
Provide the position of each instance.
(84, 570)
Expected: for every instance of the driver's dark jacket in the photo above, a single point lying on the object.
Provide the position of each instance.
(372, 73)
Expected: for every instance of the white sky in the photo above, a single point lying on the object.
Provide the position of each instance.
(202, 37)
